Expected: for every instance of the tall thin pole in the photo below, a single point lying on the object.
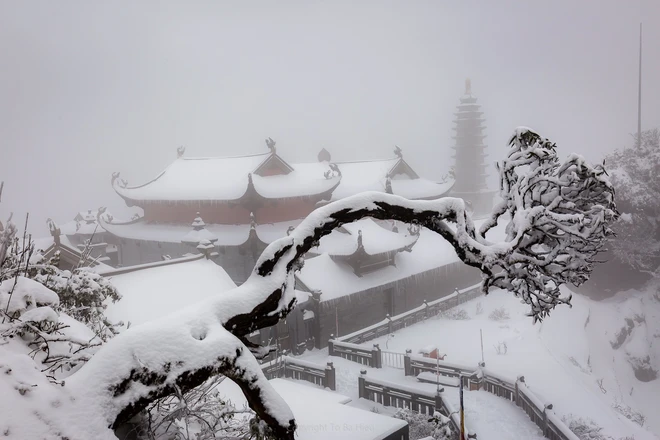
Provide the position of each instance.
(462, 410)
(639, 92)
(481, 335)
(437, 371)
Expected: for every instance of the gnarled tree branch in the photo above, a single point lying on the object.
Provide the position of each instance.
(559, 216)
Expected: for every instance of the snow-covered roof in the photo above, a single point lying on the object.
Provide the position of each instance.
(228, 178)
(371, 175)
(227, 235)
(376, 239)
(335, 278)
(161, 288)
(321, 414)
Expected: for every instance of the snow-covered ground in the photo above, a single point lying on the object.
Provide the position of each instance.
(563, 360)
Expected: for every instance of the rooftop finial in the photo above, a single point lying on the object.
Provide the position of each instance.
(398, 151)
(180, 151)
(270, 143)
(468, 86)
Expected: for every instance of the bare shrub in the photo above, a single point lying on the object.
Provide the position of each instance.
(501, 348)
(422, 426)
(499, 314)
(585, 428)
(629, 413)
(455, 314)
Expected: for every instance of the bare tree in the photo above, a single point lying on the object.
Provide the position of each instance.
(558, 219)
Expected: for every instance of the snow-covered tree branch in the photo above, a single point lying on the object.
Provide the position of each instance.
(558, 214)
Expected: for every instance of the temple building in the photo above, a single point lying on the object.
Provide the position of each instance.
(226, 210)
(470, 155)
(241, 204)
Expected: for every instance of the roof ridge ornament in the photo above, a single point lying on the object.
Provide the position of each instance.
(398, 151)
(180, 151)
(388, 185)
(414, 229)
(324, 155)
(120, 182)
(270, 143)
(334, 171)
(55, 231)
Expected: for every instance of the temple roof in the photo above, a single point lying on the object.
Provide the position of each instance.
(371, 175)
(227, 235)
(376, 239)
(150, 291)
(336, 279)
(229, 179)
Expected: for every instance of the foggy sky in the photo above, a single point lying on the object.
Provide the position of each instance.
(88, 88)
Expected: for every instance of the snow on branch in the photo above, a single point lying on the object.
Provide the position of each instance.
(559, 219)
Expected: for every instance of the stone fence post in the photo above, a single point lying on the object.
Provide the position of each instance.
(546, 430)
(330, 376)
(331, 345)
(406, 363)
(389, 323)
(376, 357)
(517, 392)
(362, 392)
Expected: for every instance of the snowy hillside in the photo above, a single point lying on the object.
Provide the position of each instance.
(591, 361)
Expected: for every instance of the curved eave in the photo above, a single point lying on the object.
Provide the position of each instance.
(360, 252)
(325, 194)
(250, 194)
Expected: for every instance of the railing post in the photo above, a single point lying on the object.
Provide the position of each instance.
(456, 290)
(517, 395)
(331, 345)
(389, 323)
(546, 431)
(330, 376)
(376, 357)
(362, 392)
(426, 310)
(406, 363)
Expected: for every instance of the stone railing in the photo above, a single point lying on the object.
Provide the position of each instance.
(356, 353)
(427, 310)
(285, 366)
(514, 390)
(400, 396)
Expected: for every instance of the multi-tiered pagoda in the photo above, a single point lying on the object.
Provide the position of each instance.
(470, 155)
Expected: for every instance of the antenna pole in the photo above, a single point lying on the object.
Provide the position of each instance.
(639, 92)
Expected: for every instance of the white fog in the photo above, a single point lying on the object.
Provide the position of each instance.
(330, 220)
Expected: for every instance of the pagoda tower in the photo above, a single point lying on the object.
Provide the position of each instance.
(470, 155)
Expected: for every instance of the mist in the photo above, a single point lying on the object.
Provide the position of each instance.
(92, 88)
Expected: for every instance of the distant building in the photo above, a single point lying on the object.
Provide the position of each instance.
(470, 155)
(79, 243)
